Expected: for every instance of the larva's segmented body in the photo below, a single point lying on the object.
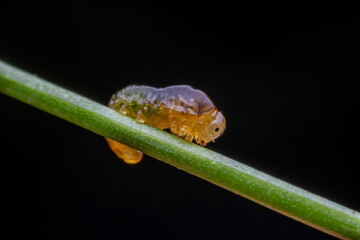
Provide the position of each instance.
(183, 110)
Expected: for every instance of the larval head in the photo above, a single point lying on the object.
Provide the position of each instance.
(213, 130)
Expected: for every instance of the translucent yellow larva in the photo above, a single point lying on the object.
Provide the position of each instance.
(183, 110)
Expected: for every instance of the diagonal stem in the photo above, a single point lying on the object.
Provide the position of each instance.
(259, 187)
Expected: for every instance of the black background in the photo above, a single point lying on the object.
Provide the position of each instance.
(283, 75)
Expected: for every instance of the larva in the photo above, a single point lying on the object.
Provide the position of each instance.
(181, 109)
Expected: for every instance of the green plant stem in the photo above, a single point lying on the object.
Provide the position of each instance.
(268, 191)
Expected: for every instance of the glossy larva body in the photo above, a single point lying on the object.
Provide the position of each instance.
(183, 110)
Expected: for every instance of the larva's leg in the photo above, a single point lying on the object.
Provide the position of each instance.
(140, 117)
(173, 125)
(189, 138)
(200, 142)
(126, 153)
(124, 109)
(182, 132)
(175, 130)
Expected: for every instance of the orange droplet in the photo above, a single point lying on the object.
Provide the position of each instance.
(128, 154)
